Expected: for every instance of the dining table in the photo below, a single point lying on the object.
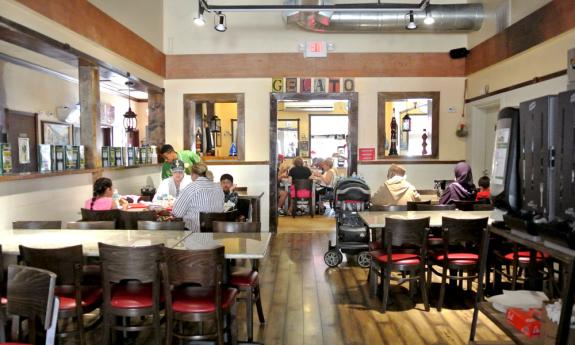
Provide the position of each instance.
(376, 219)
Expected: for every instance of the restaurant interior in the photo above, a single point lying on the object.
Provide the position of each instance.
(315, 108)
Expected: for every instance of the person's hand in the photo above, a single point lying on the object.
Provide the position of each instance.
(233, 187)
(123, 203)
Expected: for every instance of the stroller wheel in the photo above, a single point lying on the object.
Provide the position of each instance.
(332, 258)
(364, 259)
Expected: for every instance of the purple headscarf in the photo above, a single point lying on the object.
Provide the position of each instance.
(462, 189)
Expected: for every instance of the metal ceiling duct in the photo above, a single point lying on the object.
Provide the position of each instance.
(448, 18)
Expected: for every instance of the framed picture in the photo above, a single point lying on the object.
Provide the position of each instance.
(218, 139)
(304, 148)
(24, 150)
(56, 133)
(234, 131)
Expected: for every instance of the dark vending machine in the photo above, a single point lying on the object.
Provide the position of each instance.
(505, 184)
(564, 148)
(537, 128)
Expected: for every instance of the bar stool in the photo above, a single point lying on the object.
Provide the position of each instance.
(131, 286)
(31, 295)
(246, 280)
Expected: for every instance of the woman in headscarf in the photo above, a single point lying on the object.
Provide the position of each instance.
(462, 189)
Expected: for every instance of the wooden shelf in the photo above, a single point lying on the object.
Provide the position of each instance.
(499, 319)
(37, 175)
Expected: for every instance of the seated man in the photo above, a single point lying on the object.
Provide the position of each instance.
(172, 186)
(395, 190)
(230, 196)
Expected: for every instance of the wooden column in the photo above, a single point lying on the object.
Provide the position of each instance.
(90, 132)
(156, 118)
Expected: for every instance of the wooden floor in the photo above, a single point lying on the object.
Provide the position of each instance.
(307, 303)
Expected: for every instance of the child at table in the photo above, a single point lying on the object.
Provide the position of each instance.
(102, 197)
(484, 192)
(230, 196)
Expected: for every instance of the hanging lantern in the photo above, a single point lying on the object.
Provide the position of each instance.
(406, 123)
(215, 124)
(130, 122)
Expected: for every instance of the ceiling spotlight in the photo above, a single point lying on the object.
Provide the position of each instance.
(199, 20)
(221, 25)
(411, 25)
(429, 20)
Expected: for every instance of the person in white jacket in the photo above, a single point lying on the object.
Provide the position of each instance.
(172, 186)
(395, 190)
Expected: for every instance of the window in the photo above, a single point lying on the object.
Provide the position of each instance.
(408, 125)
(288, 138)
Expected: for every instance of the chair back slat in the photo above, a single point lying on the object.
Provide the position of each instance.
(153, 225)
(207, 218)
(65, 262)
(388, 208)
(138, 263)
(129, 219)
(31, 293)
(92, 225)
(406, 231)
(37, 224)
(483, 207)
(202, 267)
(424, 207)
(104, 215)
(236, 227)
(412, 205)
(463, 230)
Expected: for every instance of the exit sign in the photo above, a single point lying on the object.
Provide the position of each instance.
(315, 49)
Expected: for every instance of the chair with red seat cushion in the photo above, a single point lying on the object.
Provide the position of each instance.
(376, 235)
(398, 233)
(518, 260)
(131, 284)
(302, 191)
(31, 296)
(195, 278)
(245, 279)
(460, 252)
(75, 300)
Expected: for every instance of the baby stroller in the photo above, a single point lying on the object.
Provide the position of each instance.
(352, 195)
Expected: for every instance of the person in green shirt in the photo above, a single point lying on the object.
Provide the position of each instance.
(169, 154)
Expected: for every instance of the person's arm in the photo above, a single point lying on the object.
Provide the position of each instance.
(163, 188)
(183, 202)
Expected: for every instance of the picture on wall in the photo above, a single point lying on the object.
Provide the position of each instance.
(24, 150)
(55, 133)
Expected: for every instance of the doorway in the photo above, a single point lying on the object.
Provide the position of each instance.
(483, 123)
(277, 103)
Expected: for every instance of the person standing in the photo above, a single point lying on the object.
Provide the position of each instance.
(169, 154)
(172, 186)
(202, 195)
(395, 190)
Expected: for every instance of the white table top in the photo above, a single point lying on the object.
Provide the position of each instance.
(377, 219)
(238, 245)
(249, 245)
(89, 239)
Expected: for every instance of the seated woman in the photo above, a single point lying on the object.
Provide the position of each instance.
(462, 189)
(329, 176)
(395, 190)
(102, 197)
(202, 195)
(172, 186)
(299, 172)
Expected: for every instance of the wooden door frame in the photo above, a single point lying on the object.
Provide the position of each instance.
(351, 97)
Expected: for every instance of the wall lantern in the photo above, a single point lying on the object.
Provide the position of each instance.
(215, 124)
(406, 123)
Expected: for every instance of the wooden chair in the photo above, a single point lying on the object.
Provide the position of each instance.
(399, 233)
(129, 219)
(412, 205)
(92, 225)
(207, 218)
(37, 224)
(195, 279)
(246, 280)
(31, 295)
(299, 186)
(153, 225)
(75, 299)
(388, 208)
(460, 252)
(483, 207)
(104, 215)
(424, 207)
(465, 205)
(131, 286)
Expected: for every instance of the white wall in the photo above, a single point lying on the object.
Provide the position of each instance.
(143, 17)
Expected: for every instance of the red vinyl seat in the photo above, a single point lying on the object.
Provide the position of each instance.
(193, 300)
(524, 257)
(397, 258)
(91, 297)
(459, 258)
(244, 277)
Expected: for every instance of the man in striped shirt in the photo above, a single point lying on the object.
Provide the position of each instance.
(202, 195)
